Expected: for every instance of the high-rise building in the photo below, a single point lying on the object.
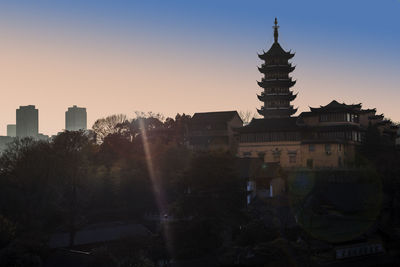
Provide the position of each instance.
(11, 130)
(75, 119)
(27, 121)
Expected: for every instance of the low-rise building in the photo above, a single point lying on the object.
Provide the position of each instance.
(324, 137)
(214, 130)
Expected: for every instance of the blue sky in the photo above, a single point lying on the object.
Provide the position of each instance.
(345, 50)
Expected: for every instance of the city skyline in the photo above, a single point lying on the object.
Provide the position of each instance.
(181, 57)
(27, 121)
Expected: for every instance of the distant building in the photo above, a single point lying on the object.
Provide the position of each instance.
(27, 121)
(12, 130)
(75, 119)
(214, 130)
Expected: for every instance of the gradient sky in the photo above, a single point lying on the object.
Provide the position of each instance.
(189, 56)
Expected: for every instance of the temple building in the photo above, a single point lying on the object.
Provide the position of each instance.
(324, 137)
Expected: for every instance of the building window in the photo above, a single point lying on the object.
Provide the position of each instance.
(328, 149)
(340, 147)
(310, 163)
(292, 156)
(246, 154)
(311, 147)
(323, 118)
(276, 154)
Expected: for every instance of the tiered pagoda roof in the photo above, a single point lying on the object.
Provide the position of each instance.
(276, 82)
(275, 51)
(273, 83)
(268, 68)
(277, 96)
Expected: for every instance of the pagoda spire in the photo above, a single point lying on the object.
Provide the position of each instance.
(276, 81)
(276, 27)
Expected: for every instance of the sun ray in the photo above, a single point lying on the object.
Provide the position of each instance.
(156, 184)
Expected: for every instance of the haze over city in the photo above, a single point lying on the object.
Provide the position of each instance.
(178, 56)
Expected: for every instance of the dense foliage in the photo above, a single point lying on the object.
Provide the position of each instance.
(121, 172)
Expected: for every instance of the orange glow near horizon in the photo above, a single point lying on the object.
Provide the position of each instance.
(54, 72)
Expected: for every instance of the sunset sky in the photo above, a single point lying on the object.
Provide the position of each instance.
(190, 56)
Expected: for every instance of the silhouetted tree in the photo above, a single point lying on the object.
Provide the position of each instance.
(26, 172)
(108, 125)
(72, 150)
(247, 116)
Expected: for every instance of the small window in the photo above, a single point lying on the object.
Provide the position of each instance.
(246, 154)
(340, 147)
(261, 155)
(311, 147)
(292, 156)
(310, 163)
(323, 118)
(277, 155)
(328, 148)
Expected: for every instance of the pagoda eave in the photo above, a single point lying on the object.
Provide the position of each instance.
(276, 68)
(278, 96)
(267, 56)
(277, 113)
(276, 83)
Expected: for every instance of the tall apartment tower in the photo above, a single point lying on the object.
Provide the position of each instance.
(27, 121)
(75, 119)
(11, 130)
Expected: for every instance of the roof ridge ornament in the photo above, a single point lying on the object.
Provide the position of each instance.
(276, 27)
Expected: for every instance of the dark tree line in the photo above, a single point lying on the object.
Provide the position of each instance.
(379, 153)
(120, 171)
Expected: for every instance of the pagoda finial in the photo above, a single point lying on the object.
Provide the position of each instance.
(276, 30)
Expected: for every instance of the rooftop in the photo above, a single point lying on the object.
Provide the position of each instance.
(219, 116)
(336, 106)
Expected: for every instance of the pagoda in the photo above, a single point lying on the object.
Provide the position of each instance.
(276, 81)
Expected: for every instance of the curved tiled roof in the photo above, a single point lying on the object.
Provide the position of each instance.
(276, 51)
(336, 106)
